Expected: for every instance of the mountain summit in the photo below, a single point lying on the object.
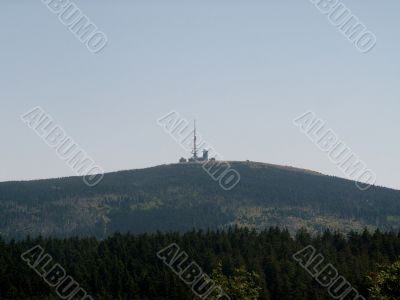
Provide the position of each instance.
(183, 196)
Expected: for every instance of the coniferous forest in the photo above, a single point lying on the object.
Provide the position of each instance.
(199, 150)
(126, 266)
(179, 197)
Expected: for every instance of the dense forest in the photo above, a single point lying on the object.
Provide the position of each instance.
(180, 197)
(126, 266)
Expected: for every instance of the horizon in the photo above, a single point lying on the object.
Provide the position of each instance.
(129, 128)
(244, 72)
(288, 167)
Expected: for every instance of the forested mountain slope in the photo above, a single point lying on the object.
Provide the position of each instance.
(183, 196)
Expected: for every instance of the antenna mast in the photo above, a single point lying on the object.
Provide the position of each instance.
(194, 142)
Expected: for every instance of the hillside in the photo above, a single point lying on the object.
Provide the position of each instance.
(183, 196)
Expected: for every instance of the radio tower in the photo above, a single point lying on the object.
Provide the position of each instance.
(194, 152)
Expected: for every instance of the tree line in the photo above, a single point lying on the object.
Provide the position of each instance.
(126, 266)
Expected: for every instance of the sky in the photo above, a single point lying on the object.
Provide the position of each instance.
(243, 69)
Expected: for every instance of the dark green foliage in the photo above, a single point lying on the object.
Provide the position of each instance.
(126, 266)
(241, 285)
(180, 197)
(385, 284)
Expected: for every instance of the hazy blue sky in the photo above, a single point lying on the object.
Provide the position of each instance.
(243, 69)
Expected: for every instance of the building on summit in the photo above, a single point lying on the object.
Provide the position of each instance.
(195, 157)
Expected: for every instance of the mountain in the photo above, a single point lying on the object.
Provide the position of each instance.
(181, 197)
